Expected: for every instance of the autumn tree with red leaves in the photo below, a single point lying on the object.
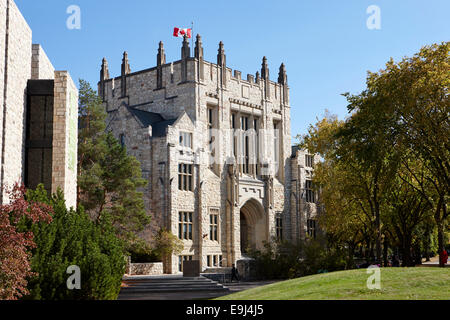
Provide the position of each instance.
(15, 245)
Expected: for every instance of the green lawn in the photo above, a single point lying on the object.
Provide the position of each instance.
(425, 283)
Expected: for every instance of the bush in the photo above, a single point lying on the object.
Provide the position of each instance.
(285, 260)
(140, 252)
(73, 239)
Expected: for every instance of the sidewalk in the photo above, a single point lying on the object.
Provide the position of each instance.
(434, 262)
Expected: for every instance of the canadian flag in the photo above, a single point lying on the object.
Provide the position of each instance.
(180, 33)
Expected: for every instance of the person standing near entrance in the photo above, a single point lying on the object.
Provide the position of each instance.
(234, 274)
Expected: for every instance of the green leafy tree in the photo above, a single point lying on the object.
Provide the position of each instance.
(74, 239)
(167, 244)
(407, 106)
(109, 180)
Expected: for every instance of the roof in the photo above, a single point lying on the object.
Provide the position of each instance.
(158, 123)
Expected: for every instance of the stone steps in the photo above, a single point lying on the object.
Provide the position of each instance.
(151, 285)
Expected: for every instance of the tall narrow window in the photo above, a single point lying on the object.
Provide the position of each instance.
(122, 140)
(279, 226)
(245, 145)
(311, 228)
(256, 145)
(214, 225)
(185, 226)
(276, 146)
(309, 190)
(309, 161)
(234, 138)
(185, 177)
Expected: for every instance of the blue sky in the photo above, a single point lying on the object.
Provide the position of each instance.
(325, 45)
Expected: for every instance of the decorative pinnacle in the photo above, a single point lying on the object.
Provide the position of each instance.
(282, 77)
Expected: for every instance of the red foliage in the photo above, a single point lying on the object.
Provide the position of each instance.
(14, 245)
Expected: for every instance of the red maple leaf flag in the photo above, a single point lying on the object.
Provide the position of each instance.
(180, 33)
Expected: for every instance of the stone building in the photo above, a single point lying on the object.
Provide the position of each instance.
(216, 150)
(38, 113)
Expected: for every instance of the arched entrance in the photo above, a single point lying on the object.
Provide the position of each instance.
(252, 226)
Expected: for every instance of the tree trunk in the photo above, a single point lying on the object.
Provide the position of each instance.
(385, 252)
(440, 242)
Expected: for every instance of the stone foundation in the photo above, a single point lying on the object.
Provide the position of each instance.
(146, 269)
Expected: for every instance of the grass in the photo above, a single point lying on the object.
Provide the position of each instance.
(396, 284)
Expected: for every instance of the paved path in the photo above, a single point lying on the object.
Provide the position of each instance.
(434, 262)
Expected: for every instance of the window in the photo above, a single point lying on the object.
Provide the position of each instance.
(309, 161)
(214, 225)
(276, 146)
(211, 136)
(214, 261)
(235, 141)
(311, 228)
(310, 194)
(122, 140)
(185, 177)
(245, 145)
(185, 225)
(180, 261)
(256, 144)
(279, 226)
(186, 139)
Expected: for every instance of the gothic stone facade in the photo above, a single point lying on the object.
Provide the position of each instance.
(216, 150)
(38, 113)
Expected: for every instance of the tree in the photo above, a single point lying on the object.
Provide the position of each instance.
(166, 244)
(411, 105)
(394, 149)
(15, 244)
(109, 180)
(407, 211)
(72, 238)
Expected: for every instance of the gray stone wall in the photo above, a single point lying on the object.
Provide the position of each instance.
(65, 137)
(18, 70)
(147, 269)
(41, 67)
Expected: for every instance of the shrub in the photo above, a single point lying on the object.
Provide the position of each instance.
(285, 260)
(16, 241)
(73, 239)
(140, 252)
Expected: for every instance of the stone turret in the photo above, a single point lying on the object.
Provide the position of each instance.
(265, 77)
(222, 63)
(185, 54)
(282, 79)
(160, 61)
(199, 56)
(125, 71)
(104, 75)
(125, 64)
(185, 49)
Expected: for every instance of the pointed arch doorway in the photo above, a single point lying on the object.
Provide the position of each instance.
(252, 226)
